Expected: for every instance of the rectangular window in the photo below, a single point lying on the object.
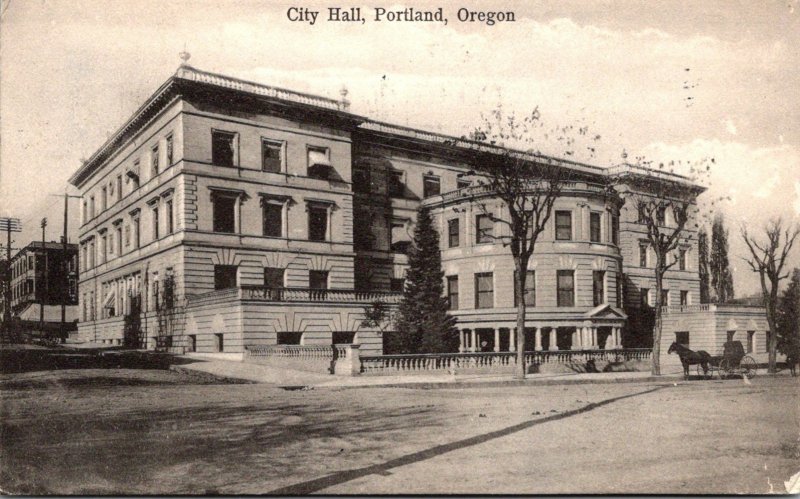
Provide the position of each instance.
(396, 185)
(618, 282)
(317, 222)
(111, 243)
(103, 248)
(289, 337)
(598, 287)
(318, 279)
(642, 255)
(452, 291)
(224, 276)
(397, 284)
(223, 147)
(271, 156)
(566, 288)
(644, 297)
(431, 186)
(119, 240)
(127, 236)
(664, 297)
(170, 151)
(751, 342)
(154, 162)
(119, 187)
(661, 216)
(684, 298)
(682, 259)
(319, 165)
(273, 219)
(682, 338)
(273, 277)
(135, 178)
(615, 229)
(563, 225)
(641, 213)
(92, 207)
(462, 184)
(224, 213)
(594, 227)
(136, 233)
(103, 199)
(484, 232)
(170, 223)
(530, 289)
(453, 233)
(484, 290)
(155, 224)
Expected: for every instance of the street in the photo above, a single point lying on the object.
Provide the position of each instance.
(127, 431)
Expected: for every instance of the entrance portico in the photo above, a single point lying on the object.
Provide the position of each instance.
(599, 328)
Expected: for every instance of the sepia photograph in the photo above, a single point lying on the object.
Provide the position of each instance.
(257, 247)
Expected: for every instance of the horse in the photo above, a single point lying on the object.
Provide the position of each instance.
(792, 359)
(689, 357)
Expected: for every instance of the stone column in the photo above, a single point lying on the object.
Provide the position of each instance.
(538, 346)
(576, 343)
(512, 339)
(496, 339)
(461, 333)
(594, 343)
(474, 341)
(553, 343)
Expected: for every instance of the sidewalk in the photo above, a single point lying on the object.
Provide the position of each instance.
(257, 373)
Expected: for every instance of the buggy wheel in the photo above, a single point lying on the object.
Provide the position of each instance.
(748, 366)
(724, 369)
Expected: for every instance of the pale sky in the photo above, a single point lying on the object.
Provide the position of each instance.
(670, 80)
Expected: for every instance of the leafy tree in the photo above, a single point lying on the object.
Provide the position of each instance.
(423, 324)
(789, 316)
(721, 277)
(702, 249)
(768, 259)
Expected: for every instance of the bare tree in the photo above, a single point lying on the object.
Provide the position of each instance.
(658, 194)
(768, 259)
(512, 170)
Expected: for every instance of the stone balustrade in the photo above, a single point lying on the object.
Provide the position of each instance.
(490, 362)
(337, 359)
(677, 309)
(261, 293)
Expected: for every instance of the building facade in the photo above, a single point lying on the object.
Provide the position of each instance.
(226, 213)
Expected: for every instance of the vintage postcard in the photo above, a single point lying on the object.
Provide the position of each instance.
(483, 247)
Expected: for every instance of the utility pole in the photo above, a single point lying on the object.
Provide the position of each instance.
(9, 225)
(65, 265)
(46, 289)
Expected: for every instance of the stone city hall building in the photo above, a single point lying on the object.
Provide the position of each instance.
(226, 214)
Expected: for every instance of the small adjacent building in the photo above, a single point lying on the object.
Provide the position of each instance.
(44, 276)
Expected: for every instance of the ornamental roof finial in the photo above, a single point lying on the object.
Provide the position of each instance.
(185, 56)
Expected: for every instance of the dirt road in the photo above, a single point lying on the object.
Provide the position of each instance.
(158, 432)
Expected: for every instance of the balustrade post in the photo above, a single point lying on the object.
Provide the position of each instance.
(350, 363)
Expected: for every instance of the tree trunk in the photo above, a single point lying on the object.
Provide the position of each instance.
(519, 286)
(656, 356)
(772, 346)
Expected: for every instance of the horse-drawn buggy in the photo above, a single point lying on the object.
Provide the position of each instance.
(732, 361)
